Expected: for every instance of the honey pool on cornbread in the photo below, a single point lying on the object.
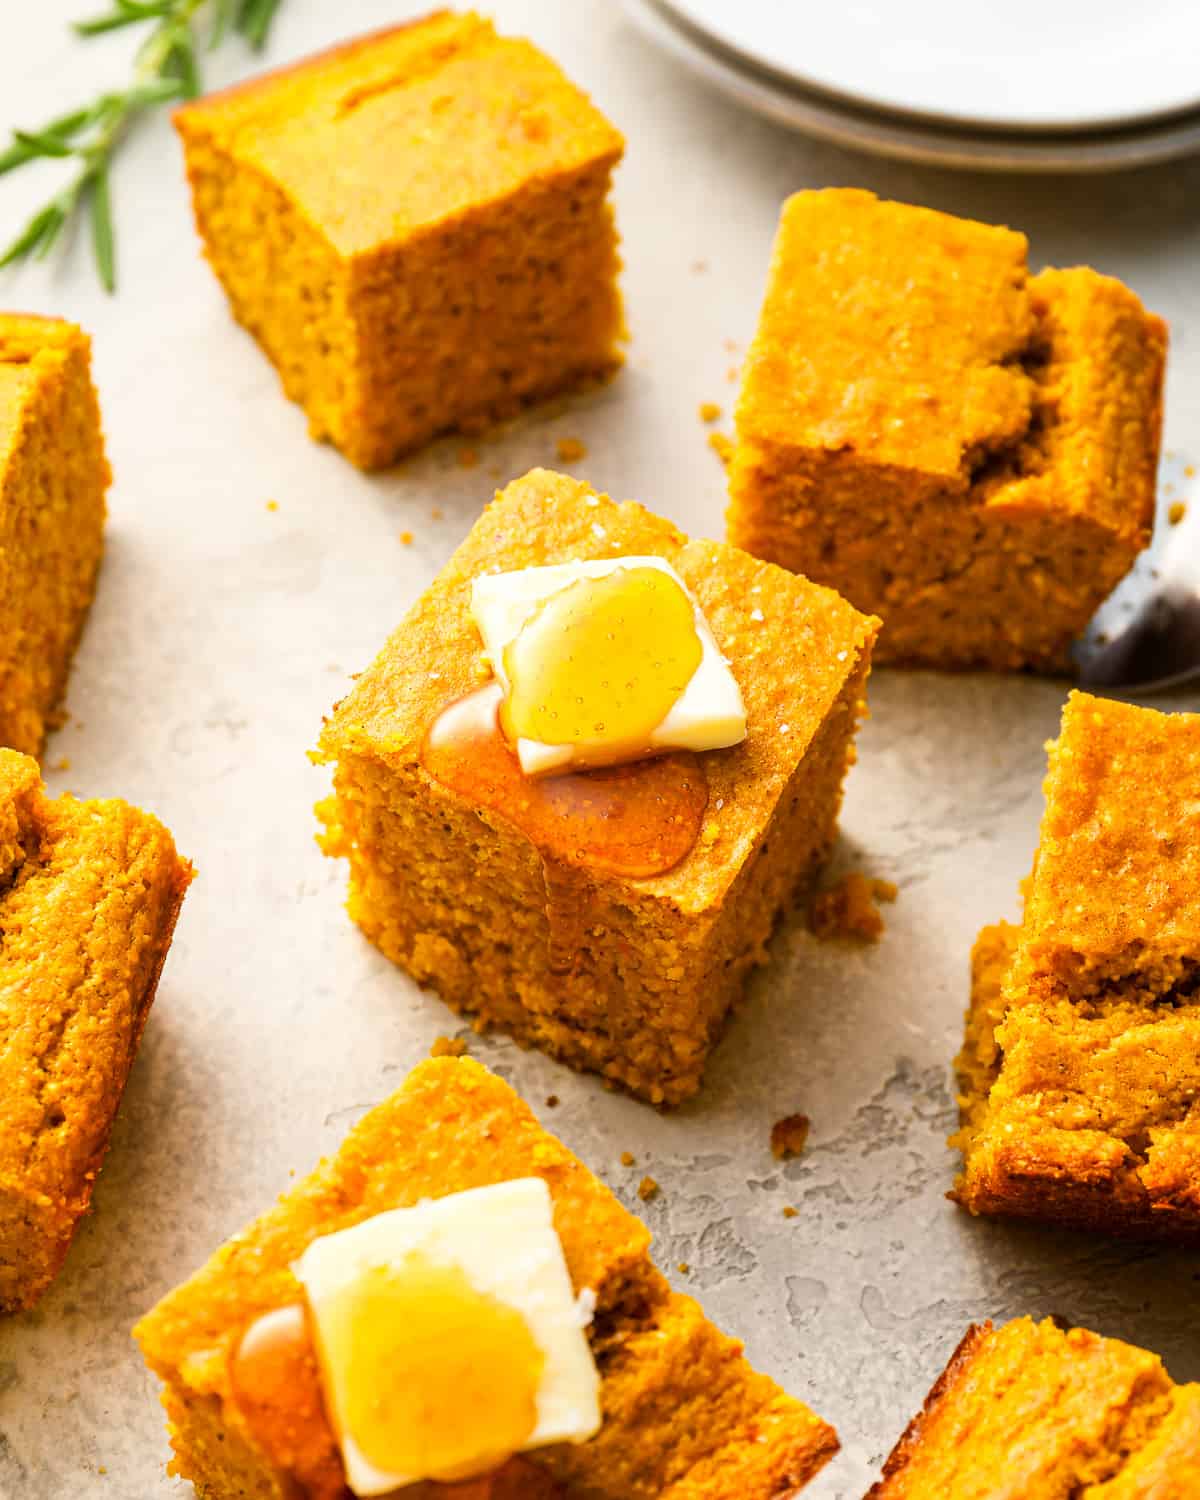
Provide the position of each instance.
(533, 923)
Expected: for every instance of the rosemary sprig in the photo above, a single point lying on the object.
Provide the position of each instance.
(166, 66)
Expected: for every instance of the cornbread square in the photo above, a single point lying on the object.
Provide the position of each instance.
(1029, 1410)
(458, 897)
(89, 894)
(684, 1416)
(961, 448)
(1080, 1073)
(415, 227)
(53, 478)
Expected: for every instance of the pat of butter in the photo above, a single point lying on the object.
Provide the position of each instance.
(503, 1241)
(709, 713)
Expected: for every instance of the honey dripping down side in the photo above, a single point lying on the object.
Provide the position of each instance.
(276, 1388)
(634, 820)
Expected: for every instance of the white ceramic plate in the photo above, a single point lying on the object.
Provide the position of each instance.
(905, 137)
(1020, 65)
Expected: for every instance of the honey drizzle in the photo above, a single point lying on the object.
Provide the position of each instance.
(634, 820)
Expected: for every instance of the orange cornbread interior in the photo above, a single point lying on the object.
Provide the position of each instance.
(53, 479)
(603, 659)
(1080, 1072)
(685, 1418)
(473, 266)
(89, 894)
(962, 448)
(1028, 1410)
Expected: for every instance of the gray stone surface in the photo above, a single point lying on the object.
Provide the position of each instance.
(223, 631)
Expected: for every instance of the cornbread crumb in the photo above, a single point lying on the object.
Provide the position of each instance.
(1189, 471)
(64, 764)
(788, 1136)
(647, 1189)
(789, 1212)
(468, 458)
(406, 538)
(448, 1046)
(849, 908)
(699, 267)
(627, 1158)
(684, 1268)
(436, 513)
(732, 373)
(709, 411)
(551, 1101)
(1177, 512)
(272, 504)
(722, 445)
(570, 450)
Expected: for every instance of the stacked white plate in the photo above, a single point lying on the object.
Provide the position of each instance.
(1001, 85)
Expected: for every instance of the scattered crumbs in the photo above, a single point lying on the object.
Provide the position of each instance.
(722, 445)
(788, 1136)
(468, 458)
(64, 764)
(732, 374)
(570, 450)
(731, 346)
(436, 513)
(448, 1046)
(789, 1212)
(1189, 471)
(699, 267)
(850, 909)
(757, 614)
(102, 1469)
(709, 411)
(1177, 512)
(647, 1189)
(627, 1158)
(406, 538)
(551, 1101)
(272, 504)
(684, 1268)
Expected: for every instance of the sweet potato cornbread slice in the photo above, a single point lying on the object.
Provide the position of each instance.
(415, 227)
(1080, 1074)
(965, 450)
(89, 894)
(53, 478)
(461, 898)
(685, 1418)
(1028, 1410)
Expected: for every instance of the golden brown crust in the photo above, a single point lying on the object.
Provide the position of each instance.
(1031, 1411)
(90, 896)
(943, 438)
(451, 1126)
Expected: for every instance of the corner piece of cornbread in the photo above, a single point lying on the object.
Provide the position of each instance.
(961, 448)
(53, 479)
(89, 894)
(684, 1415)
(1029, 1410)
(462, 899)
(415, 227)
(1080, 1073)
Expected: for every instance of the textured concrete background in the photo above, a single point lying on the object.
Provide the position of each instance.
(223, 631)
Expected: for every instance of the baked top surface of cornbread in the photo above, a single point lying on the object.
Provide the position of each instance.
(30, 347)
(427, 122)
(790, 665)
(1029, 1412)
(1115, 890)
(452, 1126)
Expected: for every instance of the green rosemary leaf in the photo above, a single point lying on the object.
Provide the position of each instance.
(37, 143)
(98, 25)
(62, 129)
(100, 204)
(31, 236)
(254, 20)
(224, 12)
(56, 218)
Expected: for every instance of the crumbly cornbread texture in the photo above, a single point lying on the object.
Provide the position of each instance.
(415, 227)
(459, 897)
(89, 893)
(1080, 1073)
(1032, 1412)
(961, 448)
(685, 1418)
(53, 478)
